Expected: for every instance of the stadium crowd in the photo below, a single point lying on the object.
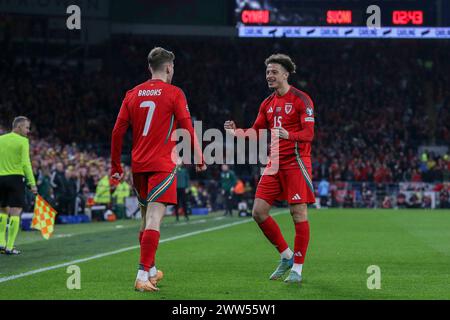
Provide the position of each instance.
(375, 103)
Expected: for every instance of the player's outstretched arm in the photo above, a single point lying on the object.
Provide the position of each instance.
(304, 135)
(181, 112)
(198, 154)
(120, 128)
(260, 123)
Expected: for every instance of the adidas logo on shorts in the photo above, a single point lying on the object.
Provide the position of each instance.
(296, 197)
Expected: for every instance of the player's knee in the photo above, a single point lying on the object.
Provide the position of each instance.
(152, 226)
(259, 215)
(255, 215)
(260, 211)
(152, 222)
(299, 213)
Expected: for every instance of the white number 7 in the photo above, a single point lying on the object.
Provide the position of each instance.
(151, 105)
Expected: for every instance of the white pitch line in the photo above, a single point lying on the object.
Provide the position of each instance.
(110, 253)
(29, 273)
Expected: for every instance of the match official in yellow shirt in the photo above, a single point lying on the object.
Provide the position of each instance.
(15, 168)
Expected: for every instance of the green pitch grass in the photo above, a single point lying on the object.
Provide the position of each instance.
(411, 247)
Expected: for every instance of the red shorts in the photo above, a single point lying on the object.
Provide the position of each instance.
(155, 187)
(294, 185)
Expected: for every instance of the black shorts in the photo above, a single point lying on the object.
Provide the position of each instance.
(12, 191)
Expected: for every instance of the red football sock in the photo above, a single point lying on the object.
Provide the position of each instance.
(272, 232)
(149, 244)
(301, 241)
(141, 233)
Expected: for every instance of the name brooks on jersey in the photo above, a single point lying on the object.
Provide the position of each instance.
(149, 93)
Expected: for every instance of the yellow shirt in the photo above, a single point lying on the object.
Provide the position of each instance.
(15, 157)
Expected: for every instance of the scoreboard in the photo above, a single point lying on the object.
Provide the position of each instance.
(342, 18)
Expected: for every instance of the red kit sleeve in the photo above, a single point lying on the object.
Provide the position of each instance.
(120, 128)
(183, 117)
(260, 123)
(306, 134)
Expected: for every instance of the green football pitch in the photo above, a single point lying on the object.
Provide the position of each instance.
(221, 258)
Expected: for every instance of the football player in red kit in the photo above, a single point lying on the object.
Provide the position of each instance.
(289, 114)
(153, 109)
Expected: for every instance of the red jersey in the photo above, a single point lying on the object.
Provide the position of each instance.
(152, 109)
(294, 112)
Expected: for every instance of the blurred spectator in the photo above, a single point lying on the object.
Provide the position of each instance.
(122, 191)
(44, 184)
(194, 197)
(59, 183)
(416, 176)
(401, 201)
(204, 197)
(182, 190)
(426, 202)
(70, 192)
(444, 199)
(248, 190)
(227, 183)
(414, 202)
(213, 190)
(367, 195)
(348, 200)
(323, 189)
(239, 190)
(102, 192)
(387, 203)
(380, 192)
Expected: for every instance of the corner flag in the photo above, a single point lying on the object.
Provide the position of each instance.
(44, 217)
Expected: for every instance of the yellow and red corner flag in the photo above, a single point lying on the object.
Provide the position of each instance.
(44, 217)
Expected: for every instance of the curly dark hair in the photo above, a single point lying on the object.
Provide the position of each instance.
(283, 60)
